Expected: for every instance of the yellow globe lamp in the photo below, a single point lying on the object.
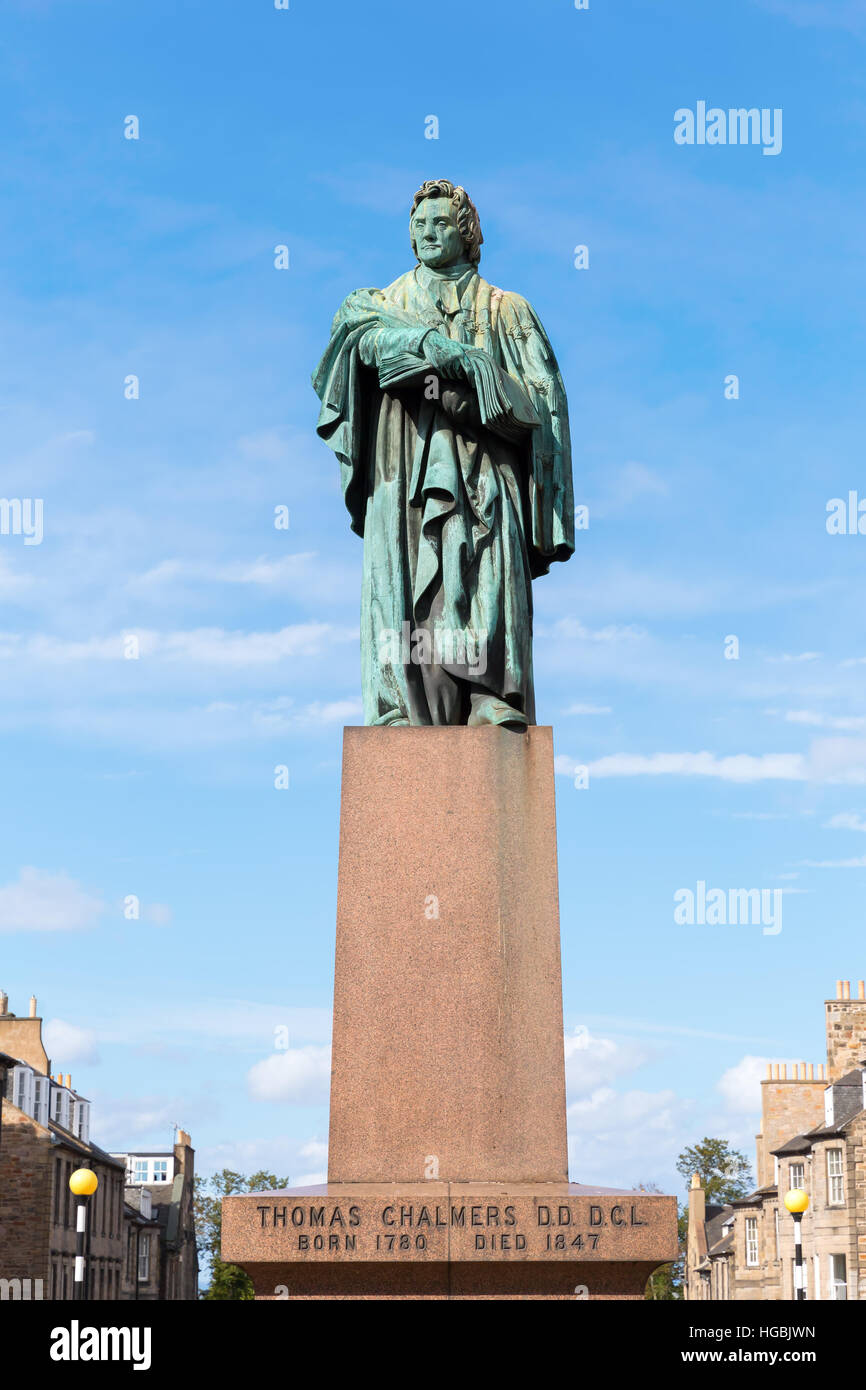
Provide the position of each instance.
(83, 1182)
(797, 1200)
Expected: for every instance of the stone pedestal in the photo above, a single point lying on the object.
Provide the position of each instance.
(448, 1042)
(447, 1172)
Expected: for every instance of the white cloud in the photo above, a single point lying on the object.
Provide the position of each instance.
(301, 1075)
(795, 656)
(741, 1084)
(210, 646)
(625, 1138)
(836, 863)
(846, 820)
(573, 630)
(838, 14)
(316, 1150)
(588, 709)
(592, 1061)
(822, 721)
(67, 1044)
(828, 760)
(738, 767)
(44, 901)
(838, 760)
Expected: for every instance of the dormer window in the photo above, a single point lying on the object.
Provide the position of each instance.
(22, 1089)
(41, 1099)
(80, 1124)
(60, 1105)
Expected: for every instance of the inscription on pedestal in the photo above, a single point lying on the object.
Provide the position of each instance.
(445, 1226)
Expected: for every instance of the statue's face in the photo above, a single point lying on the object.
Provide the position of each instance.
(437, 238)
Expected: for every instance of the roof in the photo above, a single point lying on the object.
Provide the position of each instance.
(800, 1144)
(721, 1247)
(131, 1213)
(754, 1199)
(714, 1228)
(59, 1135)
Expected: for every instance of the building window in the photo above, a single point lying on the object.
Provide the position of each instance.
(81, 1120)
(838, 1278)
(41, 1094)
(58, 1189)
(139, 1170)
(144, 1258)
(23, 1089)
(160, 1170)
(60, 1107)
(835, 1184)
(798, 1174)
(751, 1240)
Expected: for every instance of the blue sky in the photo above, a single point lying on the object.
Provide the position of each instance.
(155, 776)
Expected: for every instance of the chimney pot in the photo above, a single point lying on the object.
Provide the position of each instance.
(861, 989)
(68, 1082)
(4, 1002)
(33, 1006)
(811, 1071)
(846, 989)
(838, 989)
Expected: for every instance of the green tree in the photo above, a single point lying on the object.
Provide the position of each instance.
(666, 1283)
(227, 1281)
(725, 1173)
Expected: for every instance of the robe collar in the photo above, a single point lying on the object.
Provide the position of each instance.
(446, 287)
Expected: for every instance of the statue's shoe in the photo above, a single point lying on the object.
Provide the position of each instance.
(489, 710)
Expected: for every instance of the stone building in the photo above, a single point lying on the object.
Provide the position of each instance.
(160, 1257)
(44, 1137)
(813, 1136)
(141, 1238)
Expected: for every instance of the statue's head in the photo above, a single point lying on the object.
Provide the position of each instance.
(443, 225)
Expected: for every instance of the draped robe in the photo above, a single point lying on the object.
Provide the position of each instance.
(457, 520)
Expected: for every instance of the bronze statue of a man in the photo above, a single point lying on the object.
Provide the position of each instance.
(443, 401)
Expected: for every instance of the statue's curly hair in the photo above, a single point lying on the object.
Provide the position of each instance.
(468, 223)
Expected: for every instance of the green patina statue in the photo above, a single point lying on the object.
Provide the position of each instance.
(443, 401)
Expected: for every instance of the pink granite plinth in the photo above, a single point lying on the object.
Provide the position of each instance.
(448, 1041)
(449, 1240)
(447, 1170)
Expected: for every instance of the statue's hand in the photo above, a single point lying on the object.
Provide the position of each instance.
(449, 359)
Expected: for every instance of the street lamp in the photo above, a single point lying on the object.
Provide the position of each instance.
(83, 1184)
(797, 1200)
